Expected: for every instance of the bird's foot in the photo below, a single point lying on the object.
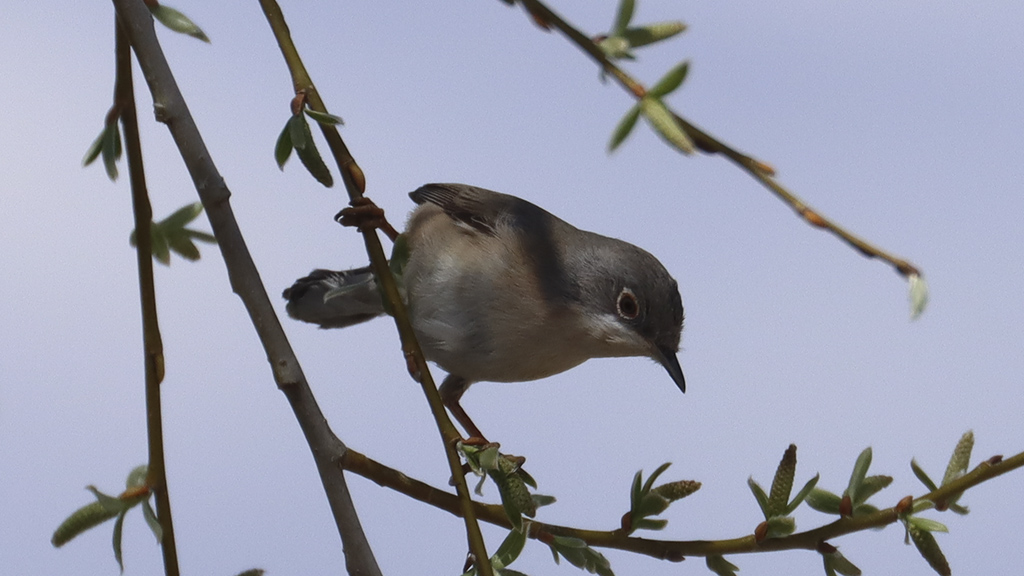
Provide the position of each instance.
(365, 215)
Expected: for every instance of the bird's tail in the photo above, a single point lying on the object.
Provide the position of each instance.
(335, 299)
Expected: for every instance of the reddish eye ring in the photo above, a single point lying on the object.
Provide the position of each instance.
(627, 305)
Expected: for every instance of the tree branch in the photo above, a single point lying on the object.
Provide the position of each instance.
(667, 549)
(707, 143)
(152, 344)
(171, 109)
(355, 185)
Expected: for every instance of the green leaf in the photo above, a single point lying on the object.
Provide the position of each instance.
(719, 565)
(152, 521)
(779, 526)
(118, 530)
(670, 81)
(283, 147)
(802, 495)
(111, 150)
(95, 148)
(922, 476)
(636, 494)
(960, 459)
(654, 476)
(302, 140)
(510, 548)
(137, 477)
(624, 127)
(177, 22)
(823, 501)
(542, 500)
(109, 503)
(182, 245)
(664, 123)
(182, 216)
(649, 524)
(836, 562)
(928, 524)
(651, 33)
(622, 18)
(762, 498)
(918, 294)
(161, 250)
(615, 47)
(870, 486)
(200, 235)
(860, 470)
(252, 572)
(324, 118)
(89, 516)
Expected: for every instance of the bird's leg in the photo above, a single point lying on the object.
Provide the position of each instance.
(451, 391)
(365, 215)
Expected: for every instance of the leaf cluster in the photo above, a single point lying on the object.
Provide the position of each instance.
(170, 234)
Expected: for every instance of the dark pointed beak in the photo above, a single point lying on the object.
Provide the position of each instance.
(668, 359)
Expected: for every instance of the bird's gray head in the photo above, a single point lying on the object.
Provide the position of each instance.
(631, 301)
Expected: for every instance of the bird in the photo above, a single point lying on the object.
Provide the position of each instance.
(500, 290)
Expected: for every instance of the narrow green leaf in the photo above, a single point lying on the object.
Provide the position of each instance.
(922, 476)
(928, 524)
(306, 149)
(324, 118)
(111, 150)
(838, 563)
(109, 503)
(762, 498)
(624, 127)
(615, 47)
(918, 295)
(200, 235)
(650, 524)
(89, 516)
(823, 501)
(860, 470)
(298, 132)
(283, 146)
(177, 22)
(654, 476)
(960, 459)
(960, 509)
(564, 542)
(870, 486)
(664, 123)
(152, 521)
(161, 250)
(510, 547)
(94, 149)
(779, 526)
(644, 35)
(622, 18)
(863, 509)
(542, 500)
(252, 572)
(635, 494)
(651, 504)
(801, 495)
(116, 538)
(670, 81)
(183, 246)
(137, 477)
(182, 216)
(719, 565)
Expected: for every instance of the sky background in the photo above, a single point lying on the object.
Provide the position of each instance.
(900, 120)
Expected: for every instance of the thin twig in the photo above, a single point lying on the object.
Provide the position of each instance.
(667, 549)
(326, 448)
(758, 170)
(355, 185)
(152, 344)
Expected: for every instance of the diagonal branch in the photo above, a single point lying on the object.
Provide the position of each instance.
(171, 109)
(707, 143)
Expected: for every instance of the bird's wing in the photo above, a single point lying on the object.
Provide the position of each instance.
(476, 207)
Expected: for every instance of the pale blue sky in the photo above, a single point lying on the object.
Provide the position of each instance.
(901, 120)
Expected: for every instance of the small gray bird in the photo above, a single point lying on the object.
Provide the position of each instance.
(500, 290)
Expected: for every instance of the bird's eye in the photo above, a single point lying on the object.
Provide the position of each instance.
(627, 306)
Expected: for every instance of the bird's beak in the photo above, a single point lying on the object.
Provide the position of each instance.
(668, 359)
